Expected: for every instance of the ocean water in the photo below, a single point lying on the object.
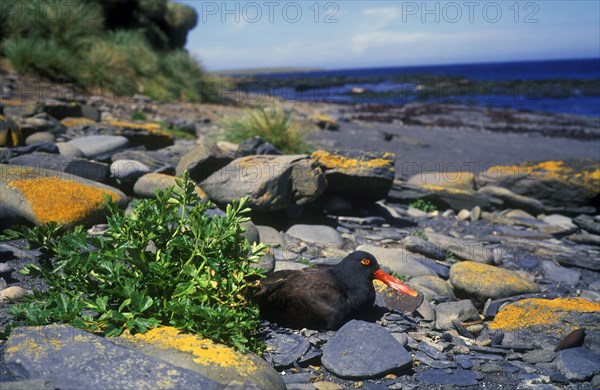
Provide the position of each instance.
(382, 85)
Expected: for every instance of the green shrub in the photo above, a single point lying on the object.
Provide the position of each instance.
(154, 266)
(46, 58)
(274, 125)
(421, 235)
(138, 116)
(423, 205)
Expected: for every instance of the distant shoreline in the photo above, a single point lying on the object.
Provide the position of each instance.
(255, 71)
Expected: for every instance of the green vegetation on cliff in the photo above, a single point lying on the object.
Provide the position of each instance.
(126, 47)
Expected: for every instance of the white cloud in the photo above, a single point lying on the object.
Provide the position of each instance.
(381, 17)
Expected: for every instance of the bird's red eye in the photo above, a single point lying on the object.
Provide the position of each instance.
(365, 261)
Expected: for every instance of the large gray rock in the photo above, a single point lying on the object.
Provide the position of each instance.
(398, 260)
(512, 200)
(146, 185)
(460, 311)
(96, 145)
(270, 182)
(578, 364)
(321, 235)
(91, 170)
(43, 195)
(560, 274)
(463, 249)
(204, 159)
(441, 377)
(361, 350)
(128, 171)
(362, 176)
(73, 359)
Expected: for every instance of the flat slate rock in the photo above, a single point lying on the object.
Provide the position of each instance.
(442, 377)
(91, 170)
(398, 260)
(321, 235)
(96, 145)
(361, 350)
(285, 348)
(578, 364)
(74, 359)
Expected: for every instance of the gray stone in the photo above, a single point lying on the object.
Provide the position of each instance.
(146, 185)
(361, 350)
(416, 213)
(28, 385)
(590, 295)
(456, 377)
(426, 311)
(398, 260)
(427, 360)
(438, 286)
(578, 364)
(560, 274)
(431, 351)
(42, 136)
(270, 182)
(454, 311)
(153, 159)
(418, 245)
(91, 170)
(288, 265)
(68, 150)
(475, 213)
(5, 268)
(512, 200)
(128, 171)
(267, 261)
(463, 214)
(464, 361)
(250, 232)
(588, 223)
(283, 349)
(463, 249)
(560, 220)
(270, 236)
(322, 235)
(96, 145)
(99, 363)
(539, 356)
(202, 161)
(585, 238)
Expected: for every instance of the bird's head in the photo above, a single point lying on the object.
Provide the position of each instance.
(362, 264)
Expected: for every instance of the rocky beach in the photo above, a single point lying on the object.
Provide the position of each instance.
(491, 214)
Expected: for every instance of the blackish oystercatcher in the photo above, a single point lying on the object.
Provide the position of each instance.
(323, 298)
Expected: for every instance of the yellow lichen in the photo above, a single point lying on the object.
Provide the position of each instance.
(72, 122)
(60, 200)
(205, 351)
(152, 128)
(550, 165)
(484, 276)
(342, 163)
(449, 190)
(535, 311)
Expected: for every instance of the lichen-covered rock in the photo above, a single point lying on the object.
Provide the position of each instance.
(484, 281)
(270, 182)
(397, 301)
(542, 323)
(146, 185)
(10, 134)
(512, 200)
(444, 180)
(91, 170)
(555, 183)
(74, 359)
(215, 361)
(43, 195)
(150, 135)
(432, 286)
(360, 175)
(446, 196)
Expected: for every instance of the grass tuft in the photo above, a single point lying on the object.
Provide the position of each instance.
(274, 125)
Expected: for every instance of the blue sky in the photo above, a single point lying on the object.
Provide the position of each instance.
(356, 34)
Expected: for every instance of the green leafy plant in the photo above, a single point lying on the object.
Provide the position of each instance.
(138, 116)
(402, 278)
(274, 125)
(423, 205)
(168, 262)
(421, 235)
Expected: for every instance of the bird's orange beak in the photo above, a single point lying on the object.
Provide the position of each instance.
(394, 283)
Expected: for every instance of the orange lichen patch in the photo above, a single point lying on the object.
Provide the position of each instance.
(205, 352)
(322, 118)
(153, 128)
(72, 122)
(551, 165)
(535, 311)
(60, 200)
(342, 163)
